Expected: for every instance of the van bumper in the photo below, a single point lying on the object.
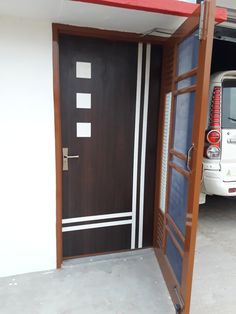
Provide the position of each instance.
(213, 184)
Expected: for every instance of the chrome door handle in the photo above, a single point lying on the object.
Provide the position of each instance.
(65, 157)
(71, 157)
(189, 157)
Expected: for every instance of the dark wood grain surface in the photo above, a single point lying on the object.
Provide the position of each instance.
(100, 181)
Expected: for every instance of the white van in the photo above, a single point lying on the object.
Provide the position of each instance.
(219, 163)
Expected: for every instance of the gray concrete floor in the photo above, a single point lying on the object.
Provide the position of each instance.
(126, 283)
(214, 283)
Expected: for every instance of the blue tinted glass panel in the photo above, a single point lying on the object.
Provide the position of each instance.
(176, 236)
(187, 58)
(178, 199)
(184, 111)
(187, 82)
(180, 162)
(174, 259)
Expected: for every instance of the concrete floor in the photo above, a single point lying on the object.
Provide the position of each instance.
(214, 283)
(129, 283)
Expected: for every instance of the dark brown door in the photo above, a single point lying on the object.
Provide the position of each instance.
(187, 61)
(102, 102)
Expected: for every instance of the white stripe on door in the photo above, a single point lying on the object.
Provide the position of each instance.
(136, 143)
(96, 217)
(144, 142)
(97, 225)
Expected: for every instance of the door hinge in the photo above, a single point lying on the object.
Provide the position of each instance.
(177, 309)
(180, 305)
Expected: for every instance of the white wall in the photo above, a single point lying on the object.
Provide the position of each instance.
(27, 160)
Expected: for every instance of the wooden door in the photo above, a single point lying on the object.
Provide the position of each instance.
(102, 96)
(186, 74)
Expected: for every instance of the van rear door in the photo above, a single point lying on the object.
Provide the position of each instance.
(228, 125)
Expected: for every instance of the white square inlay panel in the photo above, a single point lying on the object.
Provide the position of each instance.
(83, 70)
(83, 101)
(83, 129)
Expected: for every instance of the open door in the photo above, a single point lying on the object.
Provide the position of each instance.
(186, 75)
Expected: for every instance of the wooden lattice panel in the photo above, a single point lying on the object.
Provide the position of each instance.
(160, 228)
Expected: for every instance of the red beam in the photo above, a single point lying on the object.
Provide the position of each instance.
(172, 7)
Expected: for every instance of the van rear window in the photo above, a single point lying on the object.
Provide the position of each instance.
(229, 104)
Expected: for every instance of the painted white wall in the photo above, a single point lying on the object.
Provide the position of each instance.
(27, 159)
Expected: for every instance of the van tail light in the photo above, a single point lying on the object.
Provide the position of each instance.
(213, 152)
(213, 134)
(232, 190)
(215, 108)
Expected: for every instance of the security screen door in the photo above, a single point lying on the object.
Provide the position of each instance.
(187, 61)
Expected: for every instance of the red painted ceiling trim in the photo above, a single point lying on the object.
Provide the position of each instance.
(172, 7)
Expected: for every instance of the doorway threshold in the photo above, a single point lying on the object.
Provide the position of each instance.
(139, 253)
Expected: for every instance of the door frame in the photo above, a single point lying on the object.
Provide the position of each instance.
(58, 29)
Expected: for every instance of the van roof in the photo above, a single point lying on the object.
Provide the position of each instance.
(220, 76)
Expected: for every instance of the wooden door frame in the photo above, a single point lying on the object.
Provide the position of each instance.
(198, 133)
(58, 29)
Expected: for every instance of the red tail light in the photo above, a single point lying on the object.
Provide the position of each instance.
(213, 134)
(215, 108)
(213, 137)
(232, 190)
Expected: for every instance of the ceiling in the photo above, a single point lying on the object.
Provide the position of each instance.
(97, 16)
(89, 15)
